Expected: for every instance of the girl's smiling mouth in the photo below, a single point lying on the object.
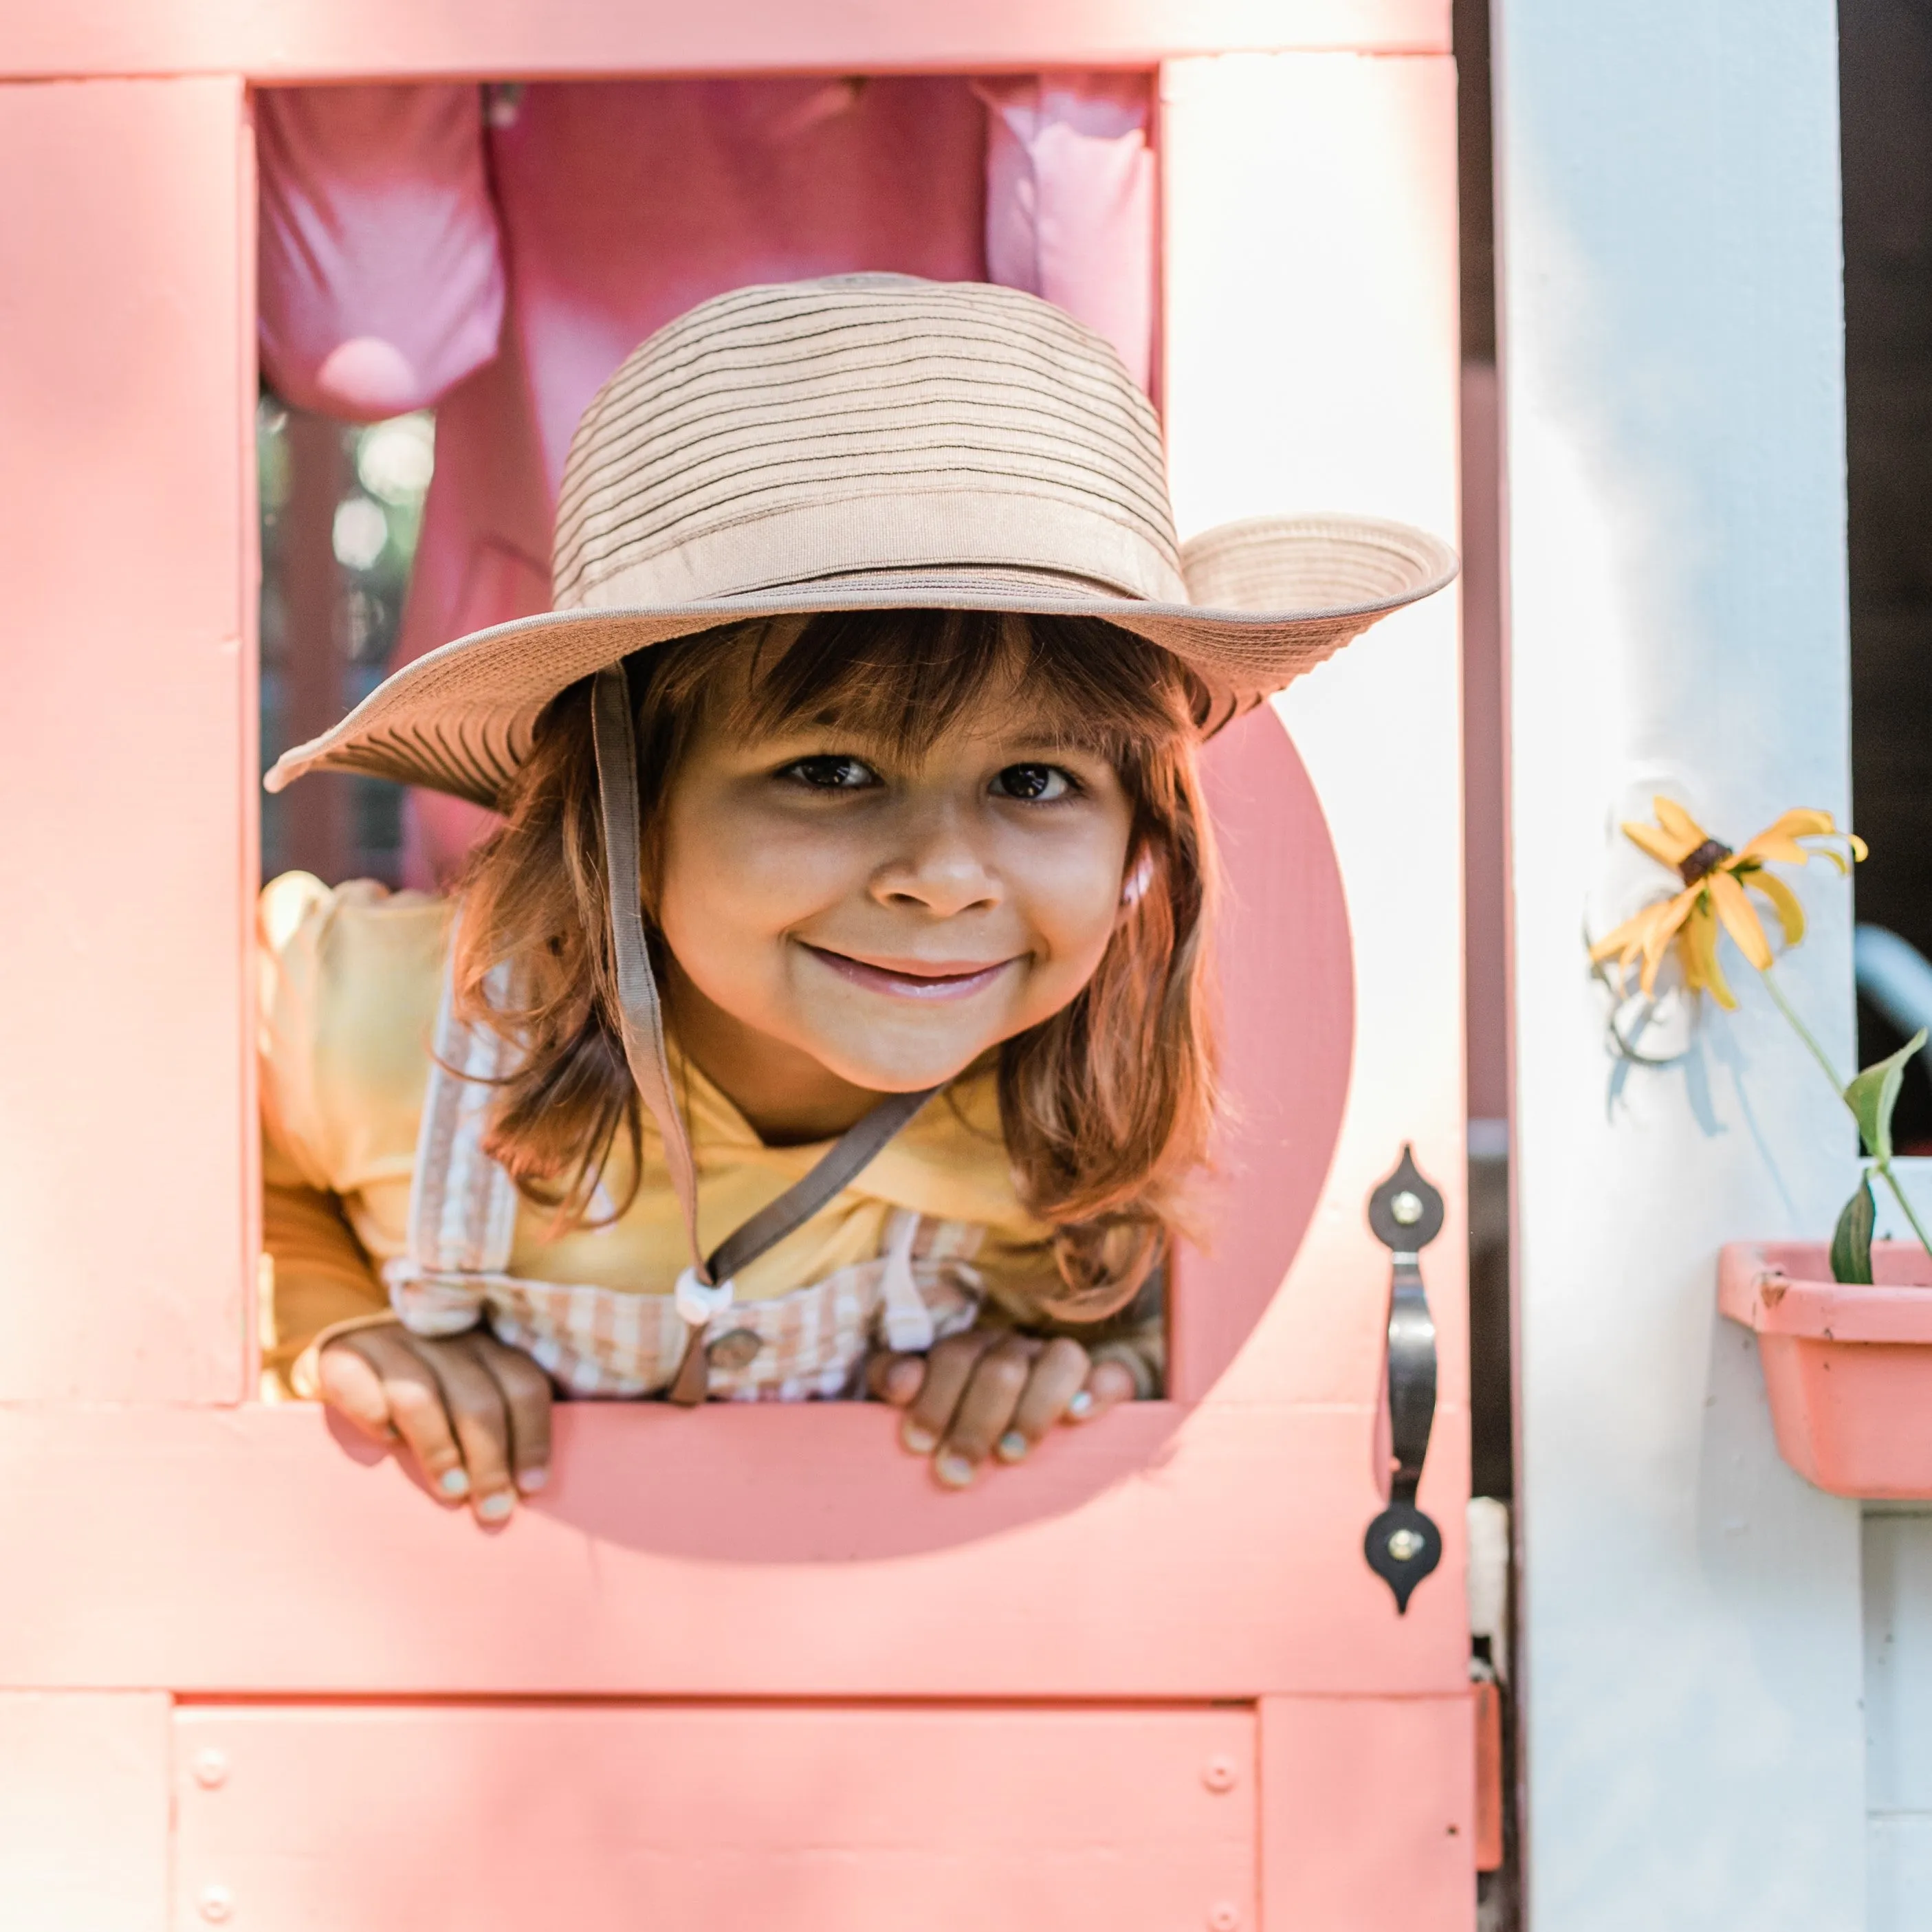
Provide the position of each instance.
(912, 979)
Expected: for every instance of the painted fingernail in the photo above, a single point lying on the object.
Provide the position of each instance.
(531, 1481)
(954, 1471)
(1012, 1447)
(1081, 1407)
(494, 1507)
(453, 1482)
(920, 1441)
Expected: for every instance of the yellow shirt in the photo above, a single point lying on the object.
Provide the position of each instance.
(350, 981)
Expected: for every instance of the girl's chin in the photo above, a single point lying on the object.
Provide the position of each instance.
(908, 1073)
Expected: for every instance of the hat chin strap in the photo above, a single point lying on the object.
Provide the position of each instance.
(705, 1288)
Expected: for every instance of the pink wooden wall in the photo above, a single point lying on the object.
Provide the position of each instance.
(1148, 1674)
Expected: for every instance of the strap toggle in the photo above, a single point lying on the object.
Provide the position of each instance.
(699, 1301)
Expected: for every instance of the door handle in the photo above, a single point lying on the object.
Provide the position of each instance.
(1402, 1545)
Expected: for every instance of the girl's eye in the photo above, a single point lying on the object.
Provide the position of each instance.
(1037, 783)
(831, 771)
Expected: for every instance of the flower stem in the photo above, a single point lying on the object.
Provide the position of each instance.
(1898, 1194)
(1803, 1031)
(1880, 1164)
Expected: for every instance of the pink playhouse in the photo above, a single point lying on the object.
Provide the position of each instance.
(1209, 1667)
(737, 1668)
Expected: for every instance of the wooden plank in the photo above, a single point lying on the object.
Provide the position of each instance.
(1670, 256)
(125, 1157)
(1368, 1814)
(316, 40)
(1898, 1872)
(1897, 1572)
(1898, 1595)
(1310, 354)
(84, 1812)
(1214, 1553)
(792, 1820)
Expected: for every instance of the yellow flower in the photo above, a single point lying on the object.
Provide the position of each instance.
(1715, 892)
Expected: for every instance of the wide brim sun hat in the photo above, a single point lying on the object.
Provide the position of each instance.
(867, 443)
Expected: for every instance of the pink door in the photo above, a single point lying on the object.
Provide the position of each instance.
(740, 1667)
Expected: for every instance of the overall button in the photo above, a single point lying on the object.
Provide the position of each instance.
(733, 1351)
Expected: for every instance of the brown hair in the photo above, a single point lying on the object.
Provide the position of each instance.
(1104, 1107)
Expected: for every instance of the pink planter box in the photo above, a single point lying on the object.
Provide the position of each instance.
(1849, 1370)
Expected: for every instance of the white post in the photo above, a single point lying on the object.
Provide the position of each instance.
(1674, 590)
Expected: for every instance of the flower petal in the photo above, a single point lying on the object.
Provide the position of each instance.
(1775, 845)
(1661, 845)
(1806, 822)
(1666, 920)
(1626, 941)
(1790, 913)
(1678, 822)
(1701, 967)
(1740, 920)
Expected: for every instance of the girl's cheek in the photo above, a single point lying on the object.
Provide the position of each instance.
(1075, 905)
(750, 871)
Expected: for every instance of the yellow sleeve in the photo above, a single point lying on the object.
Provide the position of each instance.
(322, 1282)
(349, 981)
(289, 918)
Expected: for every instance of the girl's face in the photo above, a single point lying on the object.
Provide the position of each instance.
(844, 922)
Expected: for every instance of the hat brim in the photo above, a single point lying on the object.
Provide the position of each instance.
(1277, 596)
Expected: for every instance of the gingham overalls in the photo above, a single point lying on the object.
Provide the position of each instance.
(597, 1341)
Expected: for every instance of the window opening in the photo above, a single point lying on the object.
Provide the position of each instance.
(341, 511)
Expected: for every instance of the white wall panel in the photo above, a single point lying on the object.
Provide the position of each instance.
(1898, 1720)
(1671, 334)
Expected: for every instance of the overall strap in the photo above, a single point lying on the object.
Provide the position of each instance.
(841, 1164)
(641, 1012)
(705, 1288)
(462, 1205)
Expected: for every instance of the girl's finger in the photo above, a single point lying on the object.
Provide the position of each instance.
(481, 1422)
(1107, 1383)
(527, 1401)
(897, 1379)
(1059, 1372)
(986, 1411)
(415, 1397)
(948, 1368)
(352, 1387)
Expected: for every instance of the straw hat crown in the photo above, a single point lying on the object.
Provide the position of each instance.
(874, 441)
(817, 430)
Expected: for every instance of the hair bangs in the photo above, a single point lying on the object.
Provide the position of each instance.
(900, 679)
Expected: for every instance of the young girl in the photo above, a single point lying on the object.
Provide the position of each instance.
(828, 1015)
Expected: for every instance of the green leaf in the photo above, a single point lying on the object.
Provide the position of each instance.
(1873, 1094)
(1852, 1239)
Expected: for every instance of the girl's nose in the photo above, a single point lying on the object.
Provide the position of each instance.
(940, 869)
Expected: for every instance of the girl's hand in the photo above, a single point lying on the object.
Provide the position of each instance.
(473, 1411)
(989, 1392)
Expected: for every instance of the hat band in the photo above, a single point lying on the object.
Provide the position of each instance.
(943, 530)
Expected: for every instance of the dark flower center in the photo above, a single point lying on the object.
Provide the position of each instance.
(1708, 857)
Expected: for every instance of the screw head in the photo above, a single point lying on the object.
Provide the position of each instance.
(217, 1903)
(1225, 1917)
(1218, 1774)
(210, 1768)
(1404, 1545)
(1406, 1209)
